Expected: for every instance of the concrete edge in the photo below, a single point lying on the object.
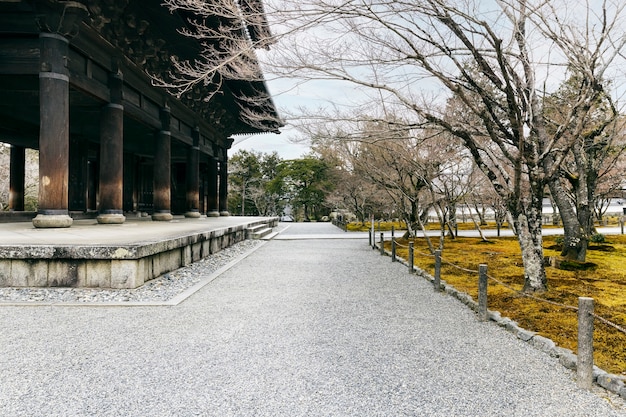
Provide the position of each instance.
(176, 300)
(615, 384)
(172, 302)
(124, 251)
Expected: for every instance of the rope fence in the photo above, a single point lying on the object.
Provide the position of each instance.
(585, 309)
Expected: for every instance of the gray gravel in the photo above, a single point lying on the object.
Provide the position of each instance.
(161, 289)
(298, 328)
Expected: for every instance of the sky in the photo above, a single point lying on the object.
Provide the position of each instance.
(288, 96)
(284, 144)
(269, 143)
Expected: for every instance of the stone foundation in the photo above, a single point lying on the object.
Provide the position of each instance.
(123, 266)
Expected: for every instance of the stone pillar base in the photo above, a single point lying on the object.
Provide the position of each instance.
(162, 217)
(192, 215)
(213, 213)
(111, 218)
(224, 213)
(50, 221)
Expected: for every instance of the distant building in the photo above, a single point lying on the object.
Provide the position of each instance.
(74, 84)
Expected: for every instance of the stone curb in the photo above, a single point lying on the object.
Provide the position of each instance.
(174, 301)
(611, 382)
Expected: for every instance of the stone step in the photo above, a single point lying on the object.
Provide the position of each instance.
(270, 236)
(259, 231)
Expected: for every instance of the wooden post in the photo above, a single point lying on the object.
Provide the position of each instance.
(58, 21)
(223, 192)
(373, 233)
(54, 135)
(111, 210)
(393, 249)
(192, 179)
(482, 293)
(162, 198)
(584, 366)
(382, 243)
(78, 193)
(212, 197)
(437, 280)
(411, 260)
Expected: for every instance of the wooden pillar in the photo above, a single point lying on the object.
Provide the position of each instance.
(213, 209)
(203, 184)
(17, 175)
(78, 193)
(192, 178)
(129, 192)
(54, 109)
(223, 192)
(57, 21)
(111, 210)
(162, 197)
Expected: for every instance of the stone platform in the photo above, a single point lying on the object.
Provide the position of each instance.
(115, 255)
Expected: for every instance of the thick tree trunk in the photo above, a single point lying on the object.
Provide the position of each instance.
(531, 243)
(527, 227)
(585, 219)
(574, 239)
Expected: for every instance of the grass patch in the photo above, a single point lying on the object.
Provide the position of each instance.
(378, 226)
(602, 277)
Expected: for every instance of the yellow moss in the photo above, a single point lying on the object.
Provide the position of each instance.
(378, 227)
(606, 284)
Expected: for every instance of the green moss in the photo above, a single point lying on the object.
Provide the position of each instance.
(601, 277)
(577, 266)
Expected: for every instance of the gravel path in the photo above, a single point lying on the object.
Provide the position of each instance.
(161, 289)
(298, 328)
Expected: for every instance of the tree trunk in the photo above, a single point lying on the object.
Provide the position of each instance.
(528, 229)
(426, 237)
(574, 240)
(306, 213)
(585, 219)
(478, 223)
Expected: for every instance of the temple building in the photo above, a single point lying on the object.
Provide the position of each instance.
(79, 81)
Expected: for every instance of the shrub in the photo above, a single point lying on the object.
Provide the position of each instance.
(598, 238)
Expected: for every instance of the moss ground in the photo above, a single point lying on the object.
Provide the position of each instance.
(605, 281)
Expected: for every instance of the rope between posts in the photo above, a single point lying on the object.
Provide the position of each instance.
(399, 244)
(523, 294)
(471, 271)
(423, 253)
(609, 323)
(534, 297)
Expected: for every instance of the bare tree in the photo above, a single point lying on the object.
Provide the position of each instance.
(594, 146)
(353, 192)
(228, 33)
(31, 178)
(498, 60)
(611, 177)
